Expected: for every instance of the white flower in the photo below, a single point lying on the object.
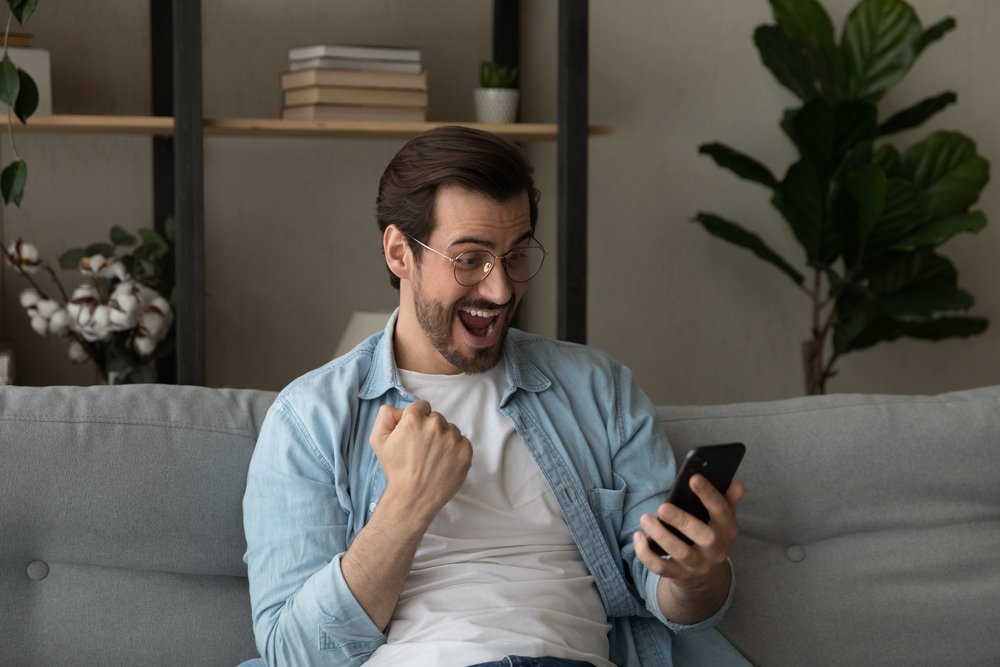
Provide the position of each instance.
(77, 353)
(29, 297)
(23, 257)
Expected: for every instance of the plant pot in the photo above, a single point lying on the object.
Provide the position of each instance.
(496, 105)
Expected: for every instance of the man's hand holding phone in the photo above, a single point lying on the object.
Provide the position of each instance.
(698, 538)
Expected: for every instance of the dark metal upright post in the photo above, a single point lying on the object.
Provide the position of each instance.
(162, 65)
(507, 32)
(189, 199)
(571, 298)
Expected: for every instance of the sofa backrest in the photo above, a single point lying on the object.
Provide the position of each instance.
(871, 527)
(121, 532)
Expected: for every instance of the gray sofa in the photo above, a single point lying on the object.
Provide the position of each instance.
(871, 529)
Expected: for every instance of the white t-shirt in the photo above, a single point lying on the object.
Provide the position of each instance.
(497, 572)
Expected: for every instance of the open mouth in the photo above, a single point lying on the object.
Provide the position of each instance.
(480, 323)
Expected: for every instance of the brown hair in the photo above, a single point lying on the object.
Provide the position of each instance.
(452, 155)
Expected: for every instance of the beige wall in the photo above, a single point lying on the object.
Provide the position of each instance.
(292, 248)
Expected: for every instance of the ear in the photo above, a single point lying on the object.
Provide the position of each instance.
(398, 256)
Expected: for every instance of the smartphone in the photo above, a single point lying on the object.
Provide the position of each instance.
(718, 464)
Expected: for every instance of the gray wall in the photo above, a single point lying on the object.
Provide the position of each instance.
(293, 249)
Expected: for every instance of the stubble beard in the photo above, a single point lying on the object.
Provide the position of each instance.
(437, 321)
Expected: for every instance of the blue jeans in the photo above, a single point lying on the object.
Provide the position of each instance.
(509, 661)
(521, 661)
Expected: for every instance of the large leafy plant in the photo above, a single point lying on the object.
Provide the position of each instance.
(868, 216)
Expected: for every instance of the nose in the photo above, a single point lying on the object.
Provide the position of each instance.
(496, 287)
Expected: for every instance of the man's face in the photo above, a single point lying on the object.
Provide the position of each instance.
(450, 328)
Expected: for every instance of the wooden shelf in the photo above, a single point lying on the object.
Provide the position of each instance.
(272, 127)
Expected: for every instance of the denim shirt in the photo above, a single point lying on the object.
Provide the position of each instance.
(314, 482)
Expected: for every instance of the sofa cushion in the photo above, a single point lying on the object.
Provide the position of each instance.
(121, 524)
(871, 526)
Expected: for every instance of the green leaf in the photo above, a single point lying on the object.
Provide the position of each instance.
(934, 33)
(889, 159)
(947, 327)
(27, 98)
(824, 133)
(940, 230)
(947, 166)
(740, 164)
(10, 82)
(12, 182)
(71, 258)
(737, 235)
(807, 24)
(921, 305)
(869, 188)
(105, 249)
(917, 114)
(787, 62)
(880, 42)
(906, 209)
(120, 237)
(904, 271)
(801, 199)
(155, 243)
(22, 9)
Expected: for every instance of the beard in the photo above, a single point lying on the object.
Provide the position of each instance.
(437, 321)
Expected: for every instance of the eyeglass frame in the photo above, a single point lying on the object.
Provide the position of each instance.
(486, 274)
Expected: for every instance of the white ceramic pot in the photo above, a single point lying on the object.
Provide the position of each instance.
(496, 105)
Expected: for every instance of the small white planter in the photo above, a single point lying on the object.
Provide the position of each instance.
(496, 105)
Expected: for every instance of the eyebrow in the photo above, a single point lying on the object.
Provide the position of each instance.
(490, 245)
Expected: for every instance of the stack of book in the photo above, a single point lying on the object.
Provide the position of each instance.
(353, 82)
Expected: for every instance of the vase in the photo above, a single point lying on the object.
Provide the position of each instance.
(496, 105)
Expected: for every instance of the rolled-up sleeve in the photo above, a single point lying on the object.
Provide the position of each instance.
(295, 520)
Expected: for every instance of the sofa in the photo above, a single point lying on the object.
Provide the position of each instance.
(871, 527)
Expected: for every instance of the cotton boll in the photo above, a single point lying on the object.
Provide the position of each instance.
(115, 270)
(29, 297)
(59, 322)
(46, 307)
(84, 314)
(92, 264)
(144, 345)
(152, 323)
(77, 353)
(102, 317)
(119, 320)
(85, 292)
(40, 325)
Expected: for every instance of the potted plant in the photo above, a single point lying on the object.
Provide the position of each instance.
(497, 97)
(869, 216)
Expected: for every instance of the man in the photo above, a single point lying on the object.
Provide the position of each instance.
(454, 491)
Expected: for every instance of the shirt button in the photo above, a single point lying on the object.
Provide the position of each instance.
(795, 553)
(38, 570)
(371, 507)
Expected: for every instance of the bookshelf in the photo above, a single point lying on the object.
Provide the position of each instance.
(271, 127)
(177, 129)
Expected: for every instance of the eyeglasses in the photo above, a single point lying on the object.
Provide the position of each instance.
(473, 266)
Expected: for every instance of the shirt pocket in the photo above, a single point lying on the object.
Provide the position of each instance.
(609, 501)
